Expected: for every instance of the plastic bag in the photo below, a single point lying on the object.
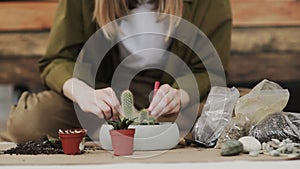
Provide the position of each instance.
(216, 114)
(237, 128)
(278, 126)
(264, 99)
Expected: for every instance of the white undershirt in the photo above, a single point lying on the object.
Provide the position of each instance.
(144, 23)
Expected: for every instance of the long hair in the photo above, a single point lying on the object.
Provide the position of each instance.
(107, 11)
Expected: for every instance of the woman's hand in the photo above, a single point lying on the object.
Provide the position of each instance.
(168, 100)
(101, 102)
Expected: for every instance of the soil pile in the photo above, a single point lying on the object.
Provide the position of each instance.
(43, 146)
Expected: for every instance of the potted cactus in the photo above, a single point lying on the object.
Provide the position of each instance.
(149, 134)
(122, 137)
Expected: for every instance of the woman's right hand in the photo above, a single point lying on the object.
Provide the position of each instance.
(101, 102)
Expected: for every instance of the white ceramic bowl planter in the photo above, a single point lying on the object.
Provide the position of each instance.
(147, 137)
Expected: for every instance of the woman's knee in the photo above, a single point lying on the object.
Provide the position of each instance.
(20, 131)
(38, 115)
(21, 124)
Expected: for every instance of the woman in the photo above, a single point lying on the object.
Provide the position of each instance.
(42, 114)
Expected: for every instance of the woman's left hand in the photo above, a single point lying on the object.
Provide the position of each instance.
(167, 101)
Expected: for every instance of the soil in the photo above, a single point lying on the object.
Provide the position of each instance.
(43, 146)
(277, 126)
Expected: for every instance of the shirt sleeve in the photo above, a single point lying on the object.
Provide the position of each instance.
(65, 42)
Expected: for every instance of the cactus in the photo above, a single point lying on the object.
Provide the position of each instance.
(127, 104)
(128, 110)
(143, 115)
(145, 119)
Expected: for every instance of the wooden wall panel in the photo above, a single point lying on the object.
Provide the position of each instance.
(26, 15)
(21, 72)
(265, 52)
(261, 51)
(258, 66)
(36, 15)
(266, 12)
(23, 44)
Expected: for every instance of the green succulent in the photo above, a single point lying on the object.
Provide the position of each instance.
(121, 124)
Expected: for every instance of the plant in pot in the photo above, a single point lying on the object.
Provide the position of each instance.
(122, 137)
(72, 140)
(149, 134)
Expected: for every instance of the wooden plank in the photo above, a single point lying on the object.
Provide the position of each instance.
(271, 53)
(244, 40)
(266, 39)
(22, 45)
(265, 52)
(27, 15)
(242, 69)
(258, 66)
(266, 12)
(21, 71)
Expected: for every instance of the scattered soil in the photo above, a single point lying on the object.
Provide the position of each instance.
(43, 146)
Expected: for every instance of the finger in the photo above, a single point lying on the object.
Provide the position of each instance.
(107, 114)
(113, 104)
(161, 93)
(159, 107)
(111, 115)
(113, 98)
(172, 108)
(164, 104)
(115, 118)
(110, 99)
(105, 110)
(97, 111)
(169, 102)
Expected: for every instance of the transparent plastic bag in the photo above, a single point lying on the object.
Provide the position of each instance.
(237, 128)
(279, 126)
(216, 114)
(264, 99)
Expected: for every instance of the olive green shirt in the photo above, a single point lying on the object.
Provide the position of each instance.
(73, 25)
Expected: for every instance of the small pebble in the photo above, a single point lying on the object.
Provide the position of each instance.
(296, 151)
(289, 147)
(281, 144)
(253, 153)
(275, 153)
(273, 144)
(282, 149)
(264, 145)
(288, 140)
(250, 144)
(276, 141)
(293, 155)
(268, 147)
(231, 147)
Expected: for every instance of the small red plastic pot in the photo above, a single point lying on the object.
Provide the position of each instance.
(122, 141)
(72, 140)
